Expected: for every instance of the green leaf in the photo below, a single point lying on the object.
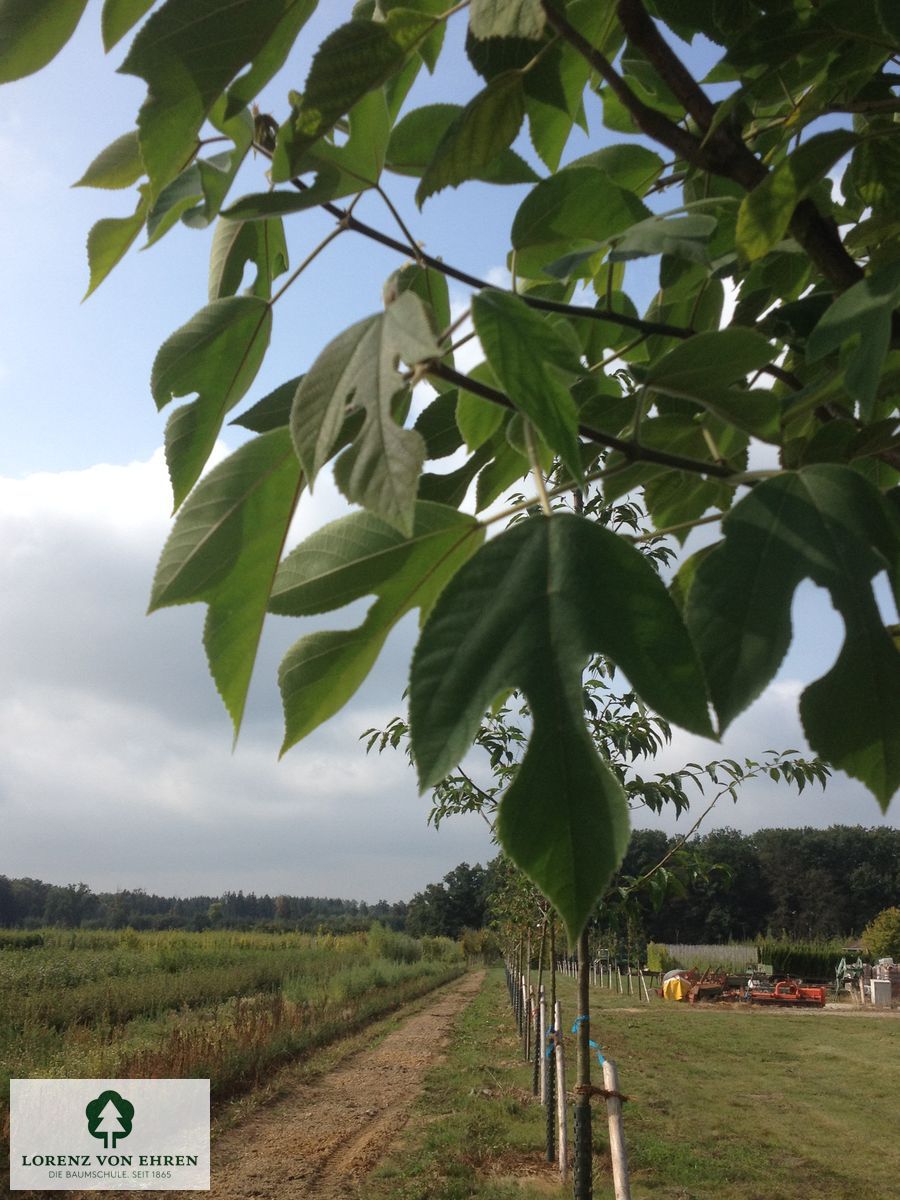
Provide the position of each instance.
(828, 524)
(224, 549)
(360, 158)
(356, 58)
(765, 213)
(580, 205)
(701, 368)
(216, 354)
(119, 16)
(109, 241)
(174, 200)
(861, 316)
(484, 129)
(381, 469)
(188, 52)
(32, 32)
(198, 192)
(414, 138)
(507, 18)
(118, 166)
(682, 237)
(273, 411)
(437, 425)
(506, 467)
(531, 359)
(357, 556)
(477, 419)
(271, 57)
(526, 612)
(874, 174)
(236, 244)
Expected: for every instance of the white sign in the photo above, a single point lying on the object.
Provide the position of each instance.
(109, 1134)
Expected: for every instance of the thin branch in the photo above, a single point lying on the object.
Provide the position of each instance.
(327, 240)
(648, 537)
(632, 451)
(655, 124)
(536, 470)
(680, 843)
(477, 284)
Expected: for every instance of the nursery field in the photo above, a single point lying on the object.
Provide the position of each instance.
(730, 1103)
(225, 1006)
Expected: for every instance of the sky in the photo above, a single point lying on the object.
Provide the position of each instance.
(116, 762)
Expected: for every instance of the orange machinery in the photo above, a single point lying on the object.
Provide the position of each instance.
(788, 991)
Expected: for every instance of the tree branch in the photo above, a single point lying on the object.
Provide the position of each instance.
(631, 450)
(436, 264)
(721, 152)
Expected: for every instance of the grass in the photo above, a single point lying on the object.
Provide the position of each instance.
(734, 1104)
(226, 1007)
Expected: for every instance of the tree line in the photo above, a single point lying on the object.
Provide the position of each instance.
(807, 883)
(31, 903)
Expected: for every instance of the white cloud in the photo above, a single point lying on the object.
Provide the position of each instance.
(115, 752)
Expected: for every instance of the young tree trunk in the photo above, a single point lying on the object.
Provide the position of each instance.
(583, 1174)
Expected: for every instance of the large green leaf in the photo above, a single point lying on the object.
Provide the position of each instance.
(341, 170)
(356, 58)
(236, 244)
(109, 241)
(224, 549)
(828, 524)
(360, 555)
(532, 359)
(766, 212)
(32, 32)
(701, 368)
(118, 166)
(862, 317)
(198, 192)
(526, 612)
(486, 127)
(506, 18)
(579, 205)
(682, 237)
(273, 411)
(415, 136)
(188, 52)
(381, 469)
(280, 40)
(119, 16)
(216, 354)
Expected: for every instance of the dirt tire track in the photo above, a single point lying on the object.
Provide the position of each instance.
(327, 1135)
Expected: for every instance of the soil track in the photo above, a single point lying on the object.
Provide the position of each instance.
(327, 1135)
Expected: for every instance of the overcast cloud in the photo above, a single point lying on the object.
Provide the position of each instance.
(115, 763)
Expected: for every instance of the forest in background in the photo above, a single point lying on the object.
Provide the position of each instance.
(806, 882)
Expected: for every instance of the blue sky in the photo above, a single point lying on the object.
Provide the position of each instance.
(115, 754)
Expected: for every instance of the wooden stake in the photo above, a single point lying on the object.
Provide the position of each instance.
(562, 1136)
(644, 982)
(616, 1132)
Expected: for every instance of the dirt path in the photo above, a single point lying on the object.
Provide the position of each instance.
(330, 1133)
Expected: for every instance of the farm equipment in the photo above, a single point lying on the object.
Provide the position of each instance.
(788, 992)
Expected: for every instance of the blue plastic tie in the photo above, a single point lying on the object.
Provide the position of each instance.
(578, 1020)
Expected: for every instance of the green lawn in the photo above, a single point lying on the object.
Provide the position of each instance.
(735, 1104)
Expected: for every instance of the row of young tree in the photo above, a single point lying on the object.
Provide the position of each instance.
(808, 883)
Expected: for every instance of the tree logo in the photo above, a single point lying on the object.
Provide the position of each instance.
(109, 1117)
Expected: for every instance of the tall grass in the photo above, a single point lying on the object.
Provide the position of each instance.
(222, 1006)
